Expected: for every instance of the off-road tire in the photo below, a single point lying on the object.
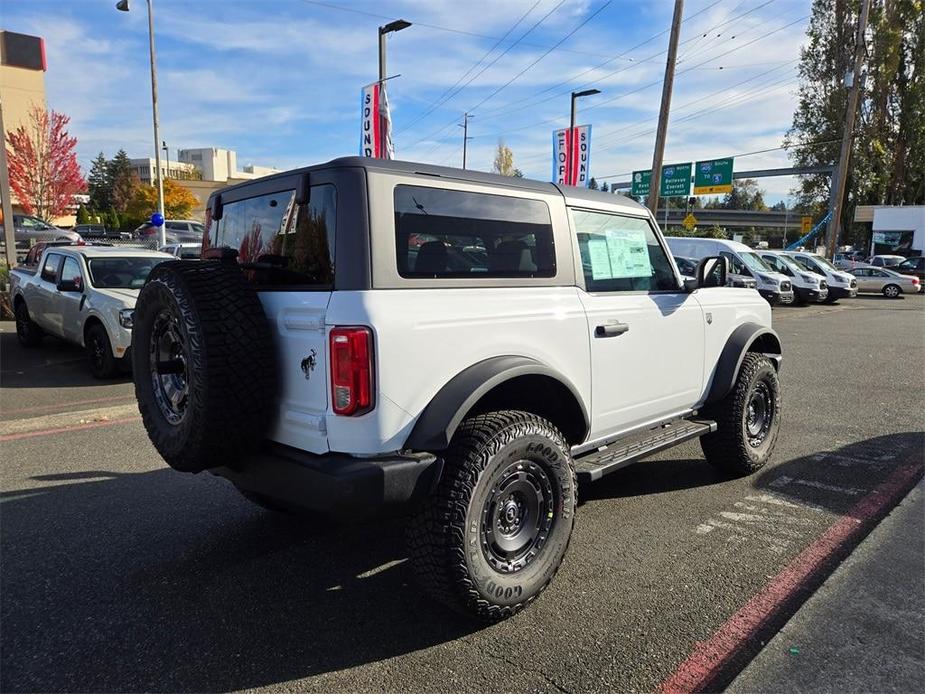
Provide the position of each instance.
(27, 332)
(227, 358)
(730, 448)
(446, 540)
(892, 291)
(103, 365)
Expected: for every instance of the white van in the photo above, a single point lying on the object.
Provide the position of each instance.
(743, 263)
(807, 285)
(841, 284)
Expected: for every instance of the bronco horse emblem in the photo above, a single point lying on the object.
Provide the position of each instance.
(308, 364)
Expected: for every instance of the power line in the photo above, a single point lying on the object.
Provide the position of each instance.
(519, 74)
(437, 27)
(449, 93)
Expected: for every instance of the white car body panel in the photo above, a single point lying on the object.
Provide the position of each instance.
(836, 279)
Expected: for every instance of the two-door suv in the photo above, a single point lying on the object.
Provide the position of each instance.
(365, 336)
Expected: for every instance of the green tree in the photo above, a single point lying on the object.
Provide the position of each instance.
(122, 180)
(887, 165)
(745, 195)
(99, 184)
(83, 215)
(592, 184)
(504, 161)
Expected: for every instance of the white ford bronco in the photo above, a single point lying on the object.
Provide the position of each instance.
(369, 336)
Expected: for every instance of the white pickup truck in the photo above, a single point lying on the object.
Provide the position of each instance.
(85, 295)
(369, 335)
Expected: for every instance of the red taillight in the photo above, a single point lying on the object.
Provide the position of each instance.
(351, 355)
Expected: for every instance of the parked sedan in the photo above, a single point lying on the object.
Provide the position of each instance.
(890, 284)
(28, 229)
(885, 260)
(912, 266)
(184, 251)
(175, 231)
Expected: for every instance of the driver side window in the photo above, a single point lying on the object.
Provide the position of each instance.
(71, 272)
(736, 266)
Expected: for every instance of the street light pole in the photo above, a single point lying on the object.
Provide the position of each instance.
(573, 120)
(397, 25)
(123, 6)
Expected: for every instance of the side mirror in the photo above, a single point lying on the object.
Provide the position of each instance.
(303, 190)
(74, 285)
(216, 207)
(712, 271)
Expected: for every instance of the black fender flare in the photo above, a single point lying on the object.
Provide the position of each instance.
(737, 346)
(434, 429)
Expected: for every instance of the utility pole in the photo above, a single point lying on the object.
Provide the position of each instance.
(9, 234)
(837, 193)
(667, 85)
(465, 126)
(397, 25)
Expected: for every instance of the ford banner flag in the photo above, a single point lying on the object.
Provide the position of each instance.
(571, 156)
(375, 123)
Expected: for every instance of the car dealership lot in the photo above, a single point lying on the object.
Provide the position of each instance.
(121, 574)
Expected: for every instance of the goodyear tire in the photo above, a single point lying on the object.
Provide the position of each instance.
(203, 362)
(748, 419)
(493, 534)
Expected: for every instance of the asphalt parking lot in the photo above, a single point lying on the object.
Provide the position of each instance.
(119, 574)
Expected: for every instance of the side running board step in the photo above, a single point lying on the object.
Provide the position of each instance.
(620, 453)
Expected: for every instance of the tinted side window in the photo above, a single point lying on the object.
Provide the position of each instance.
(621, 254)
(50, 269)
(452, 233)
(282, 243)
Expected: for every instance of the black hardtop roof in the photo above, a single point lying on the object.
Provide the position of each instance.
(571, 193)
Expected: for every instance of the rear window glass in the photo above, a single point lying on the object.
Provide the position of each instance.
(281, 243)
(454, 234)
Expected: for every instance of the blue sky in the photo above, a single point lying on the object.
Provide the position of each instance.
(279, 80)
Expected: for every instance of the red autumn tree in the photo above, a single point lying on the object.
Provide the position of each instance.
(44, 173)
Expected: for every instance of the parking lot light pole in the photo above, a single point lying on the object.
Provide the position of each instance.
(123, 6)
(397, 25)
(575, 97)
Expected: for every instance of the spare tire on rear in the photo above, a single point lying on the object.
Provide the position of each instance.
(204, 364)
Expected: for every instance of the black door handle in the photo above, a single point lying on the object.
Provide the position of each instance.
(611, 329)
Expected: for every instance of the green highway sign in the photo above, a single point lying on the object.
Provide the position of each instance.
(713, 176)
(675, 182)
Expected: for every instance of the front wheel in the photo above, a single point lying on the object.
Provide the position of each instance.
(891, 291)
(27, 332)
(103, 364)
(493, 534)
(748, 419)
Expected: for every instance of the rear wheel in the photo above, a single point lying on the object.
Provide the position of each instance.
(103, 364)
(493, 534)
(27, 332)
(891, 291)
(748, 419)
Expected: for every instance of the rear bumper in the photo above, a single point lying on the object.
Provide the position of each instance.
(343, 486)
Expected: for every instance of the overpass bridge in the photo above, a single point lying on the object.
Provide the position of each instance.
(735, 219)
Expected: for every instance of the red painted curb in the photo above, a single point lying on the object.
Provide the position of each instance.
(707, 662)
(59, 430)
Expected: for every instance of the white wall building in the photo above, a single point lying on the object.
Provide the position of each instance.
(145, 169)
(221, 164)
(896, 229)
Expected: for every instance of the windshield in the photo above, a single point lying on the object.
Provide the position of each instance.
(754, 262)
(824, 263)
(789, 262)
(120, 273)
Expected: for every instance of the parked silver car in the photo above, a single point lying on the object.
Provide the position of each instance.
(28, 229)
(890, 284)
